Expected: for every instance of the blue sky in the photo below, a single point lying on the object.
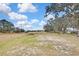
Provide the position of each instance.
(27, 16)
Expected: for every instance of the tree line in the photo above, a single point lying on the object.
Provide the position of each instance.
(6, 26)
(66, 16)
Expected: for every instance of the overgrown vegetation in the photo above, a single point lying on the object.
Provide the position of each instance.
(6, 26)
(16, 40)
(66, 17)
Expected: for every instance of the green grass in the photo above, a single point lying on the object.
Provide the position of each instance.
(20, 40)
(31, 40)
(24, 40)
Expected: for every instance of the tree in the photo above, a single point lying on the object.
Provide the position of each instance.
(18, 30)
(69, 18)
(6, 26)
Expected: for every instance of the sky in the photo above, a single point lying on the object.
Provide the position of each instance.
(29, 16)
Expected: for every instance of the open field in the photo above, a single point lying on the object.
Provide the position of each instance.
(39, 44)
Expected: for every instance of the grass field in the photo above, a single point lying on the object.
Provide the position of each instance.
(38, 44)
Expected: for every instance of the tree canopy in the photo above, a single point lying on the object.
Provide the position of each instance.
(6, 26)
(66, 16)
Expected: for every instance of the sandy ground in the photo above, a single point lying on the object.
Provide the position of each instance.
(48, 45)
(63, 44)
(8, 36)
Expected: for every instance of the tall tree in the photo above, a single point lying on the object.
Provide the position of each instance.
(6, 26)
(70, 14)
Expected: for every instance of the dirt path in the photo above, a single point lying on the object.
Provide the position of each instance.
(61, 44)
(46, 44)
(4, 37)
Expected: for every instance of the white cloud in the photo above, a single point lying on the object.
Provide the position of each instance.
(34, 24)
(4, 8)
(7, 4)
(26, 7)
(17, 16)
(33, 21)
(23, 24)
(27, 25)
(42, 23)
(50, 16)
